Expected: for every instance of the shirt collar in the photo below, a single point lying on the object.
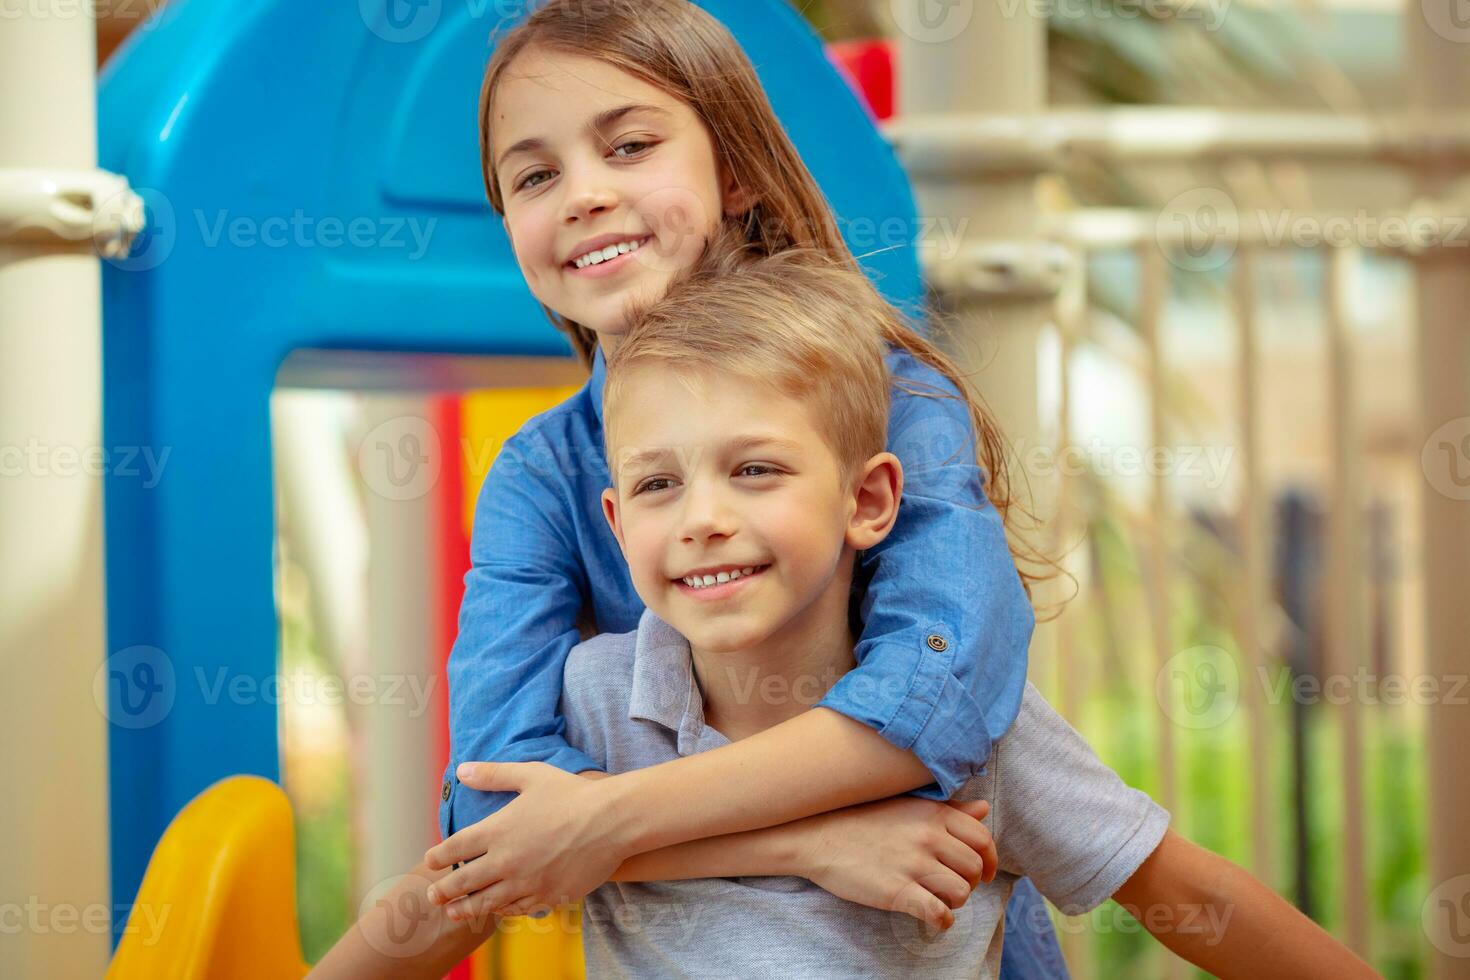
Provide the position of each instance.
(594, 384)
(664, 691)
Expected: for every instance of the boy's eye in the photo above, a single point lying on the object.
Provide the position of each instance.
(527, 181)
(756, 469)
(652, 483)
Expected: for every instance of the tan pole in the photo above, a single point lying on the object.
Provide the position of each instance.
(1438, 56)
(53, 753)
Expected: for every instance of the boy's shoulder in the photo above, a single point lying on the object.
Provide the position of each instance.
(601, 664)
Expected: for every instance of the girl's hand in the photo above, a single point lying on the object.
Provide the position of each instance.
(902, 854)
(551, 845)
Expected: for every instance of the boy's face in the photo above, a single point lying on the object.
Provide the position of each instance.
(728, 478)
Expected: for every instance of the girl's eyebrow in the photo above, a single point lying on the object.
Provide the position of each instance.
(598, 122)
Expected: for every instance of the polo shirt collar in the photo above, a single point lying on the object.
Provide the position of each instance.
(664, 690)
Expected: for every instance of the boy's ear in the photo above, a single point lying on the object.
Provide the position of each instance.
(610, 511)
(876, 497)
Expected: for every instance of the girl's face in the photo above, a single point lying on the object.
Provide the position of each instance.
(610, 185)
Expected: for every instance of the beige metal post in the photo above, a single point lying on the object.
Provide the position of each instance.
(53, 751)
(1438, 54)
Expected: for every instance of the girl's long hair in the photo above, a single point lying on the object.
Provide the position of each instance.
(683, 50)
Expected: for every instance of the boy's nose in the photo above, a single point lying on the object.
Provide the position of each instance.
(706, 515)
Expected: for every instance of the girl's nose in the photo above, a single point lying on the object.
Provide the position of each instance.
(588, 199)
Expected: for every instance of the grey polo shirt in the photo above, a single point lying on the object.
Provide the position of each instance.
(1058, 814)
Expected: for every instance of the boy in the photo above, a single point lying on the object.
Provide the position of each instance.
(746, 418)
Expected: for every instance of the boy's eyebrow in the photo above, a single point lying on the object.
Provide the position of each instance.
(737, 444)
(600, 121)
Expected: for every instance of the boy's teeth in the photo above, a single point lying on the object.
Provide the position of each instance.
(720, 578)
(603, 254)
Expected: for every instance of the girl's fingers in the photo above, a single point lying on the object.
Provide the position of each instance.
(447, 853)
(919, 902)
(481, 907)
(979, 809)
(472, 877)
(960, 858)
(977, 836)
(947, 886)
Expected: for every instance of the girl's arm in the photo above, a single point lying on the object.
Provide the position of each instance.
(517, 622)
(903, 855)
(1215, 915)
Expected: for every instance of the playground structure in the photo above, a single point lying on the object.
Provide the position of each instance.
(188, 565)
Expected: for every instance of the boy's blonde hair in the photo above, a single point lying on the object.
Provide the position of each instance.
(796, 322)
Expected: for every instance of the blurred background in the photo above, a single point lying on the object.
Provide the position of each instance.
(1208, 260)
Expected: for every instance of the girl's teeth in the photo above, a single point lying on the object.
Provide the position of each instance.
(603, 254)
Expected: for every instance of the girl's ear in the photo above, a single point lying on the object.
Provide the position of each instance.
(737, 200)
(610, 511)
(876, 498)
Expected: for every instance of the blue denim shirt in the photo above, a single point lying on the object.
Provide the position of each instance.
(941, 661)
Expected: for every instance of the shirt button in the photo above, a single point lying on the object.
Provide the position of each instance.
(444, 793)
(937, 643)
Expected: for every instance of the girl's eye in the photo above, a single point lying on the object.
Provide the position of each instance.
(652, 483)
(760, 469)
(639, 144)
(527, 181)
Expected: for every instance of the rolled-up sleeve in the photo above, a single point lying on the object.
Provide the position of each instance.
(517, 623)
(947, 623)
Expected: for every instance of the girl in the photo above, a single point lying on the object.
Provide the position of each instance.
(616, 138)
